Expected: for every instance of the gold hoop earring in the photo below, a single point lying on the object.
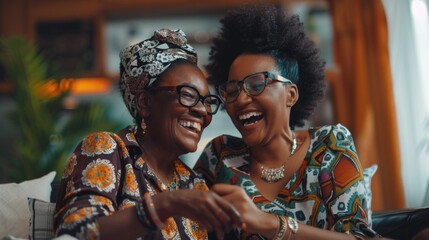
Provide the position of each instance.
(143, 126)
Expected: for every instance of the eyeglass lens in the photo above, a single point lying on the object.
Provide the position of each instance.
(190, 97)
(253, 85)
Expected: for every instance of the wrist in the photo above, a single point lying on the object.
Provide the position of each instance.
(162, 206)
(269, 225)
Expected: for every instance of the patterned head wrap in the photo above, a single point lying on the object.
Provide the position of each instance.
(142, 63)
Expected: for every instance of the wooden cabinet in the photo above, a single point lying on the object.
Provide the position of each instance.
(73, 31)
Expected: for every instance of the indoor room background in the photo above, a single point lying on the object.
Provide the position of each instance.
(376, 57)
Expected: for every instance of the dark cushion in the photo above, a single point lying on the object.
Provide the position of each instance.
(400, 224)
(54, 192)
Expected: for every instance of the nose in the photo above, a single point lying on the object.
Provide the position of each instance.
(199, 110)
(243, 97)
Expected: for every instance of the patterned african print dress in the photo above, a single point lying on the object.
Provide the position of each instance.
(105, 174)
(327, 191)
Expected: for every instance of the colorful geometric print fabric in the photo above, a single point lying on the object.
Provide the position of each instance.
(327, 191)
(105, 174)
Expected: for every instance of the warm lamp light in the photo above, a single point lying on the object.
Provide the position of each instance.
(76, 86)
(90, 86)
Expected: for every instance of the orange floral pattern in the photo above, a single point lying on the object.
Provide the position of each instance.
(126, 203)
(70, 190)
(139, 163)
(170, 230)
(116, 179)
(200, 185)
(130, 185)
(182, 171)
(194, 230)
(75, 216)
(100, 174)
(131, 137)
(70, 166)
(101, 201)
(98, 143)
(122, 146)
(92, 232)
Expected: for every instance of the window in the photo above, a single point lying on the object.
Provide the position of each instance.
(408, 28)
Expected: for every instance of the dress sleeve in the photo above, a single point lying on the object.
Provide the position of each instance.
(343, 188)
(89, 186)
(208, 163)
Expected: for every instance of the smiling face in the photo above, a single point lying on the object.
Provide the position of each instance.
(170, 125)
(263, 118)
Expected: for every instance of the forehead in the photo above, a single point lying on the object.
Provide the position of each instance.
(184, 74)
(247, 64)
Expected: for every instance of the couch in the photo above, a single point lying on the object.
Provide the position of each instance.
(34, 200)
(396, 224)
(400, 224)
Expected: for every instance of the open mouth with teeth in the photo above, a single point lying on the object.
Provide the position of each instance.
(193, 126)
(250, 118)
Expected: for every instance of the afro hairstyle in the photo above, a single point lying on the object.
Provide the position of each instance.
(266, 29)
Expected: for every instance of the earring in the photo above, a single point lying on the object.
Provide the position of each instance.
(143, 126)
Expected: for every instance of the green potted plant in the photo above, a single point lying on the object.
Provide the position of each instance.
(46, 133)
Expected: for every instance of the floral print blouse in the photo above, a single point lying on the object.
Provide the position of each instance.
(105, 174)
(327, 191)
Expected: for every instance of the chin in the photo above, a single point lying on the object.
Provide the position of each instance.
(252, 140)
(188, 147)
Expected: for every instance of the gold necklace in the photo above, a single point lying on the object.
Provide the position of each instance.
(172, 185)
(273, 175)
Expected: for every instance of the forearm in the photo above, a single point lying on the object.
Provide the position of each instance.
(137, 220)
(269, 226)
(310, 232)
(122, 224)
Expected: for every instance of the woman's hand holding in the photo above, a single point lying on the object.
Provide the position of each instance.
(256, 220)
(207, 208)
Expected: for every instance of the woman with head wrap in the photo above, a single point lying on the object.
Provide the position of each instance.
(132, 184)
(290, 184)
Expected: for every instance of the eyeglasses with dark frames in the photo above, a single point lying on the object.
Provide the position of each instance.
(189, 96)
(253, 85)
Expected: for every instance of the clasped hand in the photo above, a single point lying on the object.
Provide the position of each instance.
(208, 208)
(255, 220)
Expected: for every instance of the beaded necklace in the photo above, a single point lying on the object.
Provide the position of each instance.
(273, 175)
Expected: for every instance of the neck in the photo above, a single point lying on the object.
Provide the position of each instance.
(275, 152)
(156, 156)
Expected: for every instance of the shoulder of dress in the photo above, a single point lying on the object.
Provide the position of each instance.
(223, 147)
(98, 143)
(335, 138)
(97, 138)
(231, 142)
(337, 131)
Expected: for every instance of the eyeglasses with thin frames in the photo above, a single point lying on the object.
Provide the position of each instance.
(189, 96)
(253, 85)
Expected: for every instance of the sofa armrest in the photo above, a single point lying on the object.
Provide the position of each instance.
(400, 224)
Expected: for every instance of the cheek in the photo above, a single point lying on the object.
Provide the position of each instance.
(167, 116)
(230, 110)
(207, 121)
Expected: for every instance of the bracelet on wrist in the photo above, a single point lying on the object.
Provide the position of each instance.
(152, 211)
(293, 226)
(282, 228)
(143, 216)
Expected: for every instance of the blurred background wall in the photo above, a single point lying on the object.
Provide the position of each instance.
(360, 40)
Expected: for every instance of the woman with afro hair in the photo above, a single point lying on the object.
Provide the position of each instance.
(286, 183)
